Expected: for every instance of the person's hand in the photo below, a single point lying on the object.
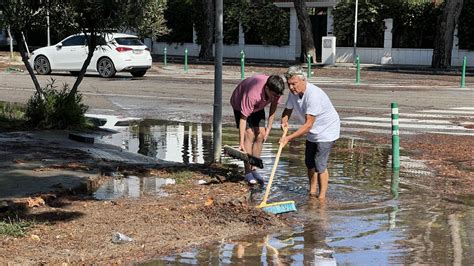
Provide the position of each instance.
(242, 148)
(284, 141)
(265, 136)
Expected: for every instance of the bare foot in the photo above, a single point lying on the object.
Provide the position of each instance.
(313, 194)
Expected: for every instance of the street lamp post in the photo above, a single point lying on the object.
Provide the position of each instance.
(355, 31)
(217, 115)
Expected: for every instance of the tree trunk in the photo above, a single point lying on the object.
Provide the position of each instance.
(443, 43)
(91, 45)
(306, 30)
(24, 57)
(208, 34)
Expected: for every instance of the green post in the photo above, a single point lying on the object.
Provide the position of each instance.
(164, 56)
(463, 75)
(186, 60)
(242, 64)
(395, 138)
(309, 65)
(357, 70)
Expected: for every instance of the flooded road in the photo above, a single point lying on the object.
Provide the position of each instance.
(372, 216)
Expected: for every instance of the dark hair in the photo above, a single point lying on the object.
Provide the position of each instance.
(276, 83)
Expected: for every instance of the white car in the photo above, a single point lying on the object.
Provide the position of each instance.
(116, 52)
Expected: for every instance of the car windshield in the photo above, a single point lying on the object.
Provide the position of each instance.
(128, 41)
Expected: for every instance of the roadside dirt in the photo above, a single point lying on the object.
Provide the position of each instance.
(71, 227)
(451, 158)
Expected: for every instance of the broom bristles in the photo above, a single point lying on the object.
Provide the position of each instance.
(278, 207)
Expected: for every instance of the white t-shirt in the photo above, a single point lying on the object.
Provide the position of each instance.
(315, 102)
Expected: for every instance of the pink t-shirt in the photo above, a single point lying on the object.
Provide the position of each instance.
(249, 95)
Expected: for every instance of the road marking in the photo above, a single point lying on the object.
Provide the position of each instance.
(416, 123)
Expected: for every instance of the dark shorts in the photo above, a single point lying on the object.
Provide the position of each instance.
(256, 119)
(317, 155)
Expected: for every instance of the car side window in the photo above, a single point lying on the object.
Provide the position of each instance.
(75, 40)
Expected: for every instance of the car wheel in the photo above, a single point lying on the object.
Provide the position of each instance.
(106, 68)
(139, 73)
(42, 66)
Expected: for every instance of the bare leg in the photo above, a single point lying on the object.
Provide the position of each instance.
(248, 143)
(258, 141)
(323, 180)
(313, 179)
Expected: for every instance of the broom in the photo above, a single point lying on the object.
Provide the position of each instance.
(276, 207)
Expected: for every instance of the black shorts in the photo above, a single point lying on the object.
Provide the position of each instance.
(317, 155)
(256, 119)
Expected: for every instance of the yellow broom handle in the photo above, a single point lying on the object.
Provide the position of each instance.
(267, 191)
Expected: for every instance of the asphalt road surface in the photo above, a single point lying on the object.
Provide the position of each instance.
(427, 102)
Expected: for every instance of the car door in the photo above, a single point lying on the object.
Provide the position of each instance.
(70, 53)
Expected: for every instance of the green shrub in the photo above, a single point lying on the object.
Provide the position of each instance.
(56, 109)
(12, 116)
(15, 228)
(11, 111)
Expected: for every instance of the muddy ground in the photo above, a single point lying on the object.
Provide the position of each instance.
(71, 227)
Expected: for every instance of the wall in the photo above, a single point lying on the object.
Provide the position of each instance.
(230, 51)
(400, 56)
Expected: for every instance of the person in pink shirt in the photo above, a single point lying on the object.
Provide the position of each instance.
(248, 101)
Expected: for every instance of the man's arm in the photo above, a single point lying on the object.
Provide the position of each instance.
(285, 117)
(242, 127)
(271, 117)
(305, 128)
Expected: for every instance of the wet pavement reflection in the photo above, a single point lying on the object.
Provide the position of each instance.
(372, 216)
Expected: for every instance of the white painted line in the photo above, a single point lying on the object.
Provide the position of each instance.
(361, 107)
(401, 120)
(371, 130)
(434, 115)
(452, 133)
(448, 112)
(462, 108)
(402, 126)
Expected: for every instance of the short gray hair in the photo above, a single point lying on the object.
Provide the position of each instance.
(295, 71)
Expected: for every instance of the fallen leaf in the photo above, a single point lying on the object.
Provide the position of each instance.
(35, 237)
(209, 201)
(35, 202)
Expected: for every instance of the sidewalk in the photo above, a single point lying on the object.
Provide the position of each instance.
(47, 161)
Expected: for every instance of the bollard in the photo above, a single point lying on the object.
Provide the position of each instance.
(395, 138)
(357, 70)
(186, 60)
(242, 64)
(164, 56)
(463, 75)
(309, 65)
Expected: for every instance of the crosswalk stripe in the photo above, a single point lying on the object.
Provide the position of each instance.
(401, 120)
(448, 112)
(416, 123)
(435, 115)
(402, 126)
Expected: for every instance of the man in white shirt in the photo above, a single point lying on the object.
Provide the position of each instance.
(321, 125)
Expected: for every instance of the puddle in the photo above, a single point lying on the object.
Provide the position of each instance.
(132, 187)
(373, 216)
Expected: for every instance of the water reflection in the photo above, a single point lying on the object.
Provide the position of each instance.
(133, 187)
